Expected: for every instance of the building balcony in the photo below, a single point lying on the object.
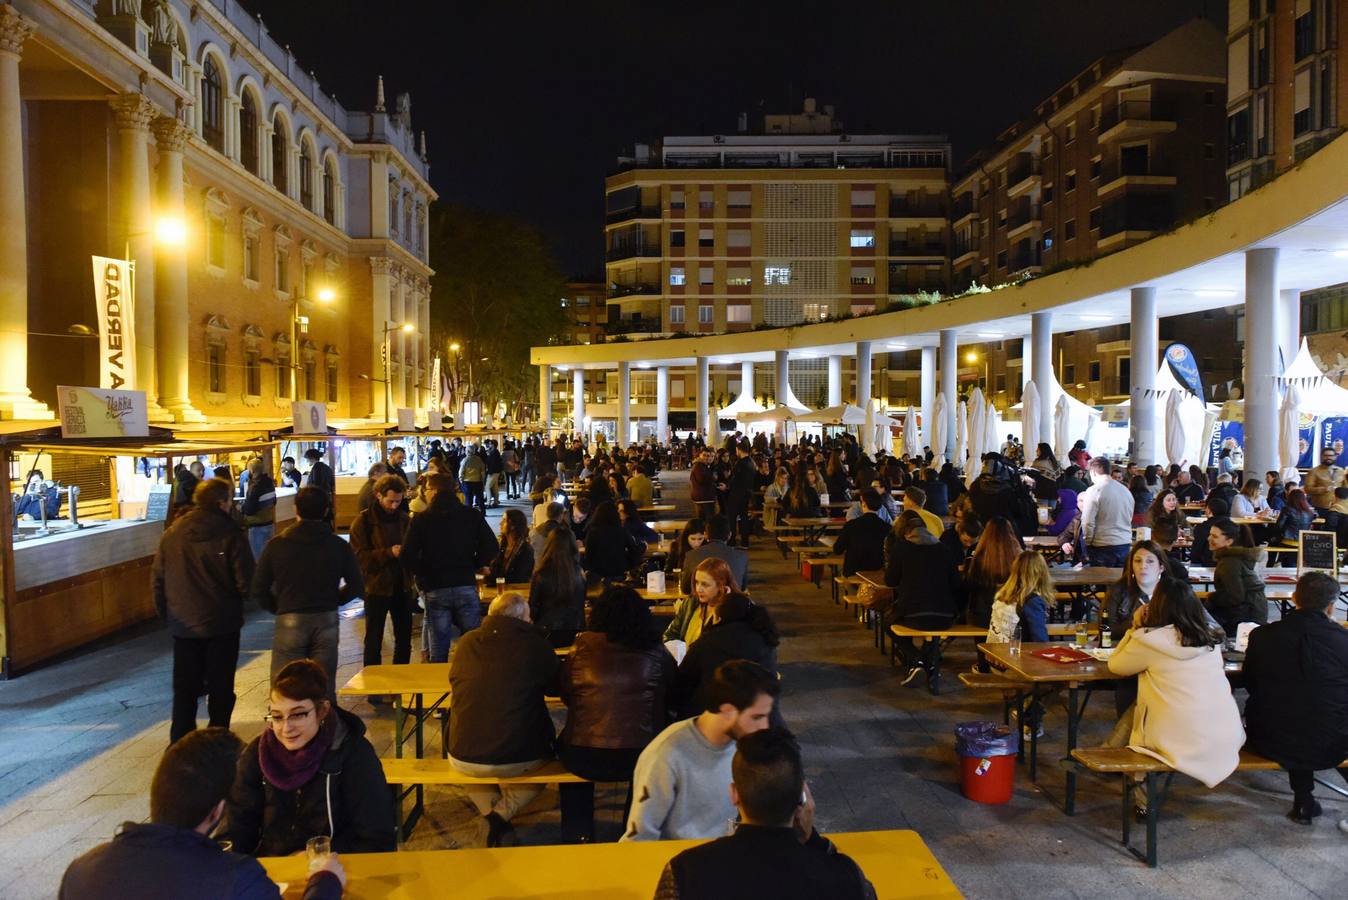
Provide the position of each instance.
(964, 254)
(1125, 174)
(1133, 119)
(632, 214)
(923, 208)
(1024, 261)
(1133, 218)
(1023, 175)
(1021, 219)
(632, 290)
(632, 325)
(633, 251)
(963, 206)
(916, 250)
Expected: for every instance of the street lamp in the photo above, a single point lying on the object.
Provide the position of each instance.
(405, 328)
(171, 231)
(300, 325)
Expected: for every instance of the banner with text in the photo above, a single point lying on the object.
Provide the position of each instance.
(308, 418)
(88, 412)
(115, 302)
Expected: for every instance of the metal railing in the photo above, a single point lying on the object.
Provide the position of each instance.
(627, 251)
(634, 212)
(1143, 110)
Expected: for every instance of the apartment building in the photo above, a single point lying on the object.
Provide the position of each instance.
(586, 308)
(1129, 147)
(1286, 94)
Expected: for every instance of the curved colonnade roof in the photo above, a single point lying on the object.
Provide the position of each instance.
(1200, 266)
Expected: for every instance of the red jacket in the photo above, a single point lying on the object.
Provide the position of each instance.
(702, 484)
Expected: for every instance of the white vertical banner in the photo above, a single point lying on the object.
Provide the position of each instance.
(435, 386)
(114, 299)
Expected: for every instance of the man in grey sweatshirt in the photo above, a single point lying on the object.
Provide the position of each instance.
(681, 787)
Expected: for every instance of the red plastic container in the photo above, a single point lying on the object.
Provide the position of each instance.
(988, 779)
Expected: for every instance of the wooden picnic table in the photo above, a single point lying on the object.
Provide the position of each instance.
(667, 526)
(898, 864)
(657, 508)
(813, 528)
(1086, 576)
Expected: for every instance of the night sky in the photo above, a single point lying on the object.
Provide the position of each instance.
(527, 105)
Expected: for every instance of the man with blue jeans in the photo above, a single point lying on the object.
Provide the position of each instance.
(259, 507)
(1106, 517)
(444, 548)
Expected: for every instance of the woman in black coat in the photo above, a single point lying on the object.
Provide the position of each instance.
(925, 579)
(311, 773)
(739, 629)
(1296, 672)
(557, 590)
(610, 550)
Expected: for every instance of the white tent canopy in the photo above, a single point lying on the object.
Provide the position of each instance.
(776, 415)
(1191, 412)
(1319, 395)
(846, 414)
(744, 403)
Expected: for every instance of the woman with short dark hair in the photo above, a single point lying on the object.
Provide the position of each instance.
(610, 550)
(1237, 590)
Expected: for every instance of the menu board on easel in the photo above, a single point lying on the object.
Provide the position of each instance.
(1319, 552)
(157, 504)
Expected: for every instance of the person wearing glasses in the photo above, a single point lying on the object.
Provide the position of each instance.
(311, 773)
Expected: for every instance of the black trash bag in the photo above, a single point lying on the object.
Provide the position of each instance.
(983, 739)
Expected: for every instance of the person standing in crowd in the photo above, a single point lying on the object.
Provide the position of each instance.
(1321, 481)
(716, 547)
(681, 785)
(1079, 456)
(320, 476)
(472, 475)
(1296, 673)
(376, 539)
(862, 541)
(616, 686)
(200, 577)
(702, 486)
(501, 674)
(311, 772)
(739, 491)
(259, 507)
(397, 458)
(306, 573)
(1237, 589)
(444, 548)
(775, 851)
(557, 590)
(1106, 517)
(495, 470)
(366, 494)
(173, 854)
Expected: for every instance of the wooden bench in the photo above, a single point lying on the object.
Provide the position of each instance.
(931, 664)
(1127, 763)
(407, 776)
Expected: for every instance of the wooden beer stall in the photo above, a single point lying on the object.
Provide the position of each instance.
(76, 566)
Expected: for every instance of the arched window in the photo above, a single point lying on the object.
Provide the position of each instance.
(329, 200)
(212, 112)
(279, 152)
(248, 132)
(306, 176)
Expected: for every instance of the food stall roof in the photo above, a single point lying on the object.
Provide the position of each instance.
(159, 442)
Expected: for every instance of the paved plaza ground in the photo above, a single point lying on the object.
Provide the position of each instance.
(79, 740)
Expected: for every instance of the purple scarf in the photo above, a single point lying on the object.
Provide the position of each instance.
(289, 770)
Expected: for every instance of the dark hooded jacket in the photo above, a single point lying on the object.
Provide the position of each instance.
(348, 799)
(201, 575)
(299, 571)
(1237, 590)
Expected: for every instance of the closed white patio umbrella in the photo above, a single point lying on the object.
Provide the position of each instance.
(1289, 428)
(1174, 428)
(1029, 419)
(1062, 423)
(868, 435)
(939, 430)
(991, 429)
(911, 444)
(961, 435)
(978, 423)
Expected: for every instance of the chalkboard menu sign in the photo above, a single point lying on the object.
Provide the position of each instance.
(157, 505)
(1319, 552)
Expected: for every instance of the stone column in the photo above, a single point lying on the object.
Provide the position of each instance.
(1289, 326)
(1041, 361)
(172, 318)
(835, 381)
(703, 394)
(624, 405)
(747, 379)
(413, 308)
(863, 373)
(927, 393)
(133, 115)
(949, 380)
(16, 402)
(1261, 360)
(397, 356)
(544, 396)
(662, 403)
(380, 318)
(578, 400)
(1144, 354)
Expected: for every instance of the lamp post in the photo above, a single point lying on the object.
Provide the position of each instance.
(405, 328)
(300, 325)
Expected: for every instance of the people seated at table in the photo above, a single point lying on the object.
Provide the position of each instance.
(1066, 517)
(803, 500)
(554, 518)
(1022, 601)
(681, 786)
(173, 854)
(1165, 508)
(1296, 516)
(1237, 588)
(1185, 715)
(775, 497)
(1106, 517)
(580, 517)
(557, 590)
(1296, 673)
(716, 547)
(925, 579)
(961, 538)
(1275, 490)
(616, 685)
(445, 547)
(1143, 569)
(544, 492)
(1225, 489)
(610, 550)
(500, 726)
(997, 491)
(640, 488)
(515, 562)
(737, 628)
(1250, 501)
(1322, 479)
(1166, 535)
(692, 536)
(1199, 553)
(776, 850)
(988, 569)
(311, 772)
(376, 539)
(1188, 490)
(1046, 463)
(862, 541)
(915, 499)
(633, 524)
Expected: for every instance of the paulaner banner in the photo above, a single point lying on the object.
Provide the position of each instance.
(114, 298)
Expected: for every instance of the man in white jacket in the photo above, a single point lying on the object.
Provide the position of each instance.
(1106, 517)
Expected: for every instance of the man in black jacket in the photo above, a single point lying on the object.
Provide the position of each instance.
(500, 676)
(775, 851)
(320, 476)
(739, 490)
(1296, 671)
(376, 539)
(445, 547)
(862, 542)
(201, 575)
(173, 854)
(259, 507)
(305, 574)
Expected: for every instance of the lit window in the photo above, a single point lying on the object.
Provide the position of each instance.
(704, 314)
(816, 311)
(738, 278)
(676, 276)
(676, 314)
(776, 274)
(863, 275)
(863, 237)
(738, 313)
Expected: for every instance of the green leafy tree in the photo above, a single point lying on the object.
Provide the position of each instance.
(496, 292)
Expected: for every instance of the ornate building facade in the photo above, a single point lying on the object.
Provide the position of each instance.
(279, 238)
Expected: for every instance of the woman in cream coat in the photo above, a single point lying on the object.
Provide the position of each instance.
(1186, 716)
